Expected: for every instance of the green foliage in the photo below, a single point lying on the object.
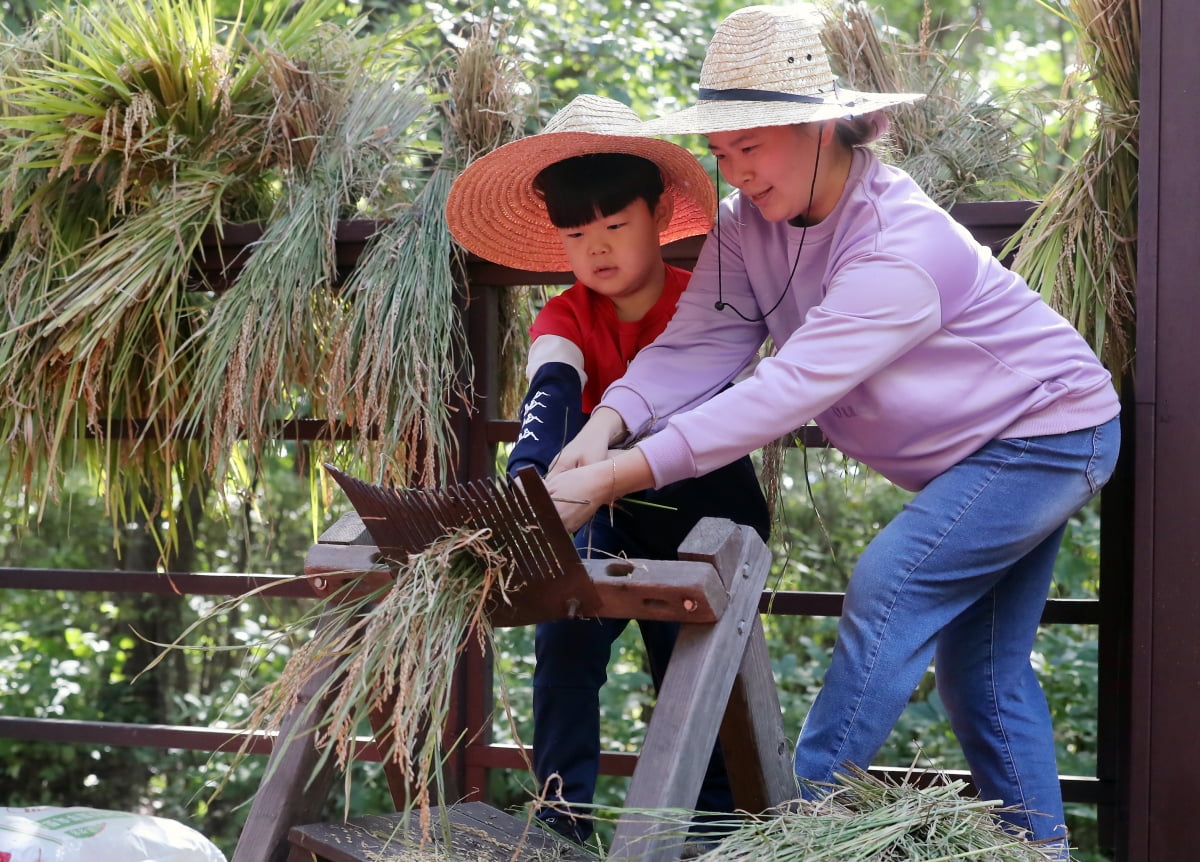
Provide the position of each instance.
(77, 655)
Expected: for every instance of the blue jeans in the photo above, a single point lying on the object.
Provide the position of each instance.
(571, 656)
(960, 576)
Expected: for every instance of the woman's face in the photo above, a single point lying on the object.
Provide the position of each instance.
(773, 167)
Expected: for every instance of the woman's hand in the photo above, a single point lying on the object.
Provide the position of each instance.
(591, 444)
(579, 492)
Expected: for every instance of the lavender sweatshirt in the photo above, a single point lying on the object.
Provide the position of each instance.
(906, 341)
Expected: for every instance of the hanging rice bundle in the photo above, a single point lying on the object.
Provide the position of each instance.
(403, 291)
(399, 399)
(489, 93)
(490, 100)
(133, 134)
(959, 143)
(270, 336)
(1079, 248)
(126, 130)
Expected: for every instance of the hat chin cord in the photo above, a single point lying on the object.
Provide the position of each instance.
(721, 304)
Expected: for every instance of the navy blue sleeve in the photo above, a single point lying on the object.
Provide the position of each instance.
(551, 415)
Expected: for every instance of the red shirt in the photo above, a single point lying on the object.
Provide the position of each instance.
(589, 321)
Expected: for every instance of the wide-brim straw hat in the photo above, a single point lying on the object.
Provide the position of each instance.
(494, 212)
(766, 66)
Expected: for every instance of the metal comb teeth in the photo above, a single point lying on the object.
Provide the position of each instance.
(523, 523)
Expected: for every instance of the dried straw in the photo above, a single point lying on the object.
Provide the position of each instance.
(490, 100)
(390, 656)
(489, 93)
(865, 818)
(266, 355)
(1079, 248)
(959, 143)
(111, 174)
(130, 130)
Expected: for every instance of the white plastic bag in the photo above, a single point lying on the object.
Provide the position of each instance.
(45, 834)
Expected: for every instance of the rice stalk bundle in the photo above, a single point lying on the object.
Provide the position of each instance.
(401, 320)
(863, 818)
(112, 171)
(489, 93)
(133, 131)
(959, 143)
(390, 655)
(267, 340)
(397, 362)
(490, 99)
(1079, 247)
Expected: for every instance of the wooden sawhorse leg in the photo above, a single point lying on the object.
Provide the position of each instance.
(294, 790)
(713, 665)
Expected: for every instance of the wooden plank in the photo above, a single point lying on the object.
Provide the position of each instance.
(154, 583)
(673, 590)
(1162, 749)
(677, 590)
(164, 736)
(622, 589)
(346, 530)
(330, 567)
(511, 831)
(705, 661)
(333, 559)
(758, 754)
(472, 832)
(297, 780)
(716, 541)
(334, 842)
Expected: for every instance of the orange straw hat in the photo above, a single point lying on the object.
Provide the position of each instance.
(493, 211)
(766, 66)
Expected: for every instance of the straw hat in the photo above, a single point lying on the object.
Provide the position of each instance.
(766, 66)
(494, 212)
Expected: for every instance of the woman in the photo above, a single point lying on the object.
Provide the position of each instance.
(916, 353)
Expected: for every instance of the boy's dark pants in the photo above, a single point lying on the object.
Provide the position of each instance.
(572, 655)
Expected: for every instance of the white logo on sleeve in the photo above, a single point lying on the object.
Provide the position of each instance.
(529, 416)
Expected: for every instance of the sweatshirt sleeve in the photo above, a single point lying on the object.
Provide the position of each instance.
(551, 414)
(875, 309)
(701, 350)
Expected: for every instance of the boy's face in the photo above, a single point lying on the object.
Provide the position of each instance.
(618, 256)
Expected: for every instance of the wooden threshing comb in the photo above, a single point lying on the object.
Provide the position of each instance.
(548, 580)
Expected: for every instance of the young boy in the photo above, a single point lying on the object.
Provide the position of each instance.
(590, 195)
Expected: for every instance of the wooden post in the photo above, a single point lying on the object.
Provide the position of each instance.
(1163, 747)
(758, 754)
(706, 660)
